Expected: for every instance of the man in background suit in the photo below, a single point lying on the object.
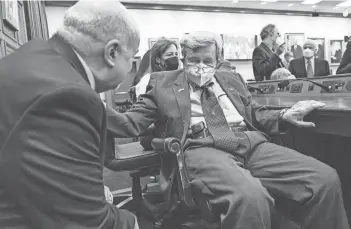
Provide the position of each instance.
(264, 59)
(230, 159)
(53, 122)
(308, 65)
(296, 49)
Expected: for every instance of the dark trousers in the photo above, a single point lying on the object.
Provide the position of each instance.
(304, 189)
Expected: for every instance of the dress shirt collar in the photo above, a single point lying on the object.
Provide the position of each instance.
(87, 70)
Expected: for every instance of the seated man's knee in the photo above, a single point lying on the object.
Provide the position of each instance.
(329, 179)
(253, 195)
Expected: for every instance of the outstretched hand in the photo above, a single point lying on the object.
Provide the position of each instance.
(296, 113)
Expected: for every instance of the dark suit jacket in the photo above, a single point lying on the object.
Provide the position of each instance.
(224, 66)
(52, 134)
(296, 52)
(167, 104)
(264, 62)
(345, 64)
(297, 67)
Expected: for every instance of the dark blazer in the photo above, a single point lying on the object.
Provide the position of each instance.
(297, 67)
(345, 64)
(167, 104)
(52, 134)
(224, 65)
(264, 62)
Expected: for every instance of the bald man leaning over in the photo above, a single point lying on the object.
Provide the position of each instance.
(52, 121)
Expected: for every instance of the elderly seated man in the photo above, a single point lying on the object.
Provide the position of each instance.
(282, 74)
(232, 162)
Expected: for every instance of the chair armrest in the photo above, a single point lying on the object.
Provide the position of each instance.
(166, 145)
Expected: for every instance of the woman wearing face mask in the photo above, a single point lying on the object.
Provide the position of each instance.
(163, 57)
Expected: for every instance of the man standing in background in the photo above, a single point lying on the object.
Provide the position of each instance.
(309, 65)
(264, 59)
(53, 122)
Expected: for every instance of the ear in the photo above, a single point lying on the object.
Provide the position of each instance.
(111, 52)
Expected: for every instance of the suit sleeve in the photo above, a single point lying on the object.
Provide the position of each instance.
(57, 180)
(265, 118)
(291, 68)
(346, 69)
(134, 122)
(327, 69)
(264, 66)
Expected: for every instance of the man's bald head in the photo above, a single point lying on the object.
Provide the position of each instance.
(91, 22)
(105, 35)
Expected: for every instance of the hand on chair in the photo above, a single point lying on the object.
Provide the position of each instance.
(296, 113)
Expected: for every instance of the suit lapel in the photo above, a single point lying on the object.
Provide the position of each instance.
(303, 66)
(315, 73)
(182, 94)
(232, 95)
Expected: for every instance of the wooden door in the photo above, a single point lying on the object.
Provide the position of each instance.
(21, 21)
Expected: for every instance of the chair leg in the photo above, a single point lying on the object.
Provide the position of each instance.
(136, 194)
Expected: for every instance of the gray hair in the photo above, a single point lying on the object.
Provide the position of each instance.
(90, 22)
(282, 73)
(193, 41)
(287, 54)
(310, 42)
(266, 31)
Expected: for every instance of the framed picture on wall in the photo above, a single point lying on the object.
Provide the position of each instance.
(10, 13)
(238, 47)
(335, 51)
(294, 43)
(320, 42)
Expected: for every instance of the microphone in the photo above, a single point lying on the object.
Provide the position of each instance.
(255, 88)
(285, 83)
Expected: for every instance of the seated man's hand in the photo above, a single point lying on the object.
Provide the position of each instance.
(108, 195)
(296, 113)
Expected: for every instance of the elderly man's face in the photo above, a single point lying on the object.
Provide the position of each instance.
(200, 64)
(205, 55)
(121, 61)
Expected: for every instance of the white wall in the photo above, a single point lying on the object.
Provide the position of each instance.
(156, 23)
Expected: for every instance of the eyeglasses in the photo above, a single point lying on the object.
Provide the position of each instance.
(206, 69)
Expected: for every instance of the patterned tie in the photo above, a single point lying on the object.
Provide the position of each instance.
(217, 125)
(309, 69)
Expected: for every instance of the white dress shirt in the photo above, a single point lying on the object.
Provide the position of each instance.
(231, 114)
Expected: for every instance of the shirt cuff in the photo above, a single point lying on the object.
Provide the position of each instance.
(136, 225)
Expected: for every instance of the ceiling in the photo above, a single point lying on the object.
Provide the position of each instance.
(325, 6)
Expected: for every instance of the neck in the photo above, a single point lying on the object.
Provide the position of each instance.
(269, 43)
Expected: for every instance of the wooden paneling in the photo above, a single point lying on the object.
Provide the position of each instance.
(36, 20)
(22, 33)
(32, 24)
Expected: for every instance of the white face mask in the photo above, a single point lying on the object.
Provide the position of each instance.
(200, 73)
(308, 53)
